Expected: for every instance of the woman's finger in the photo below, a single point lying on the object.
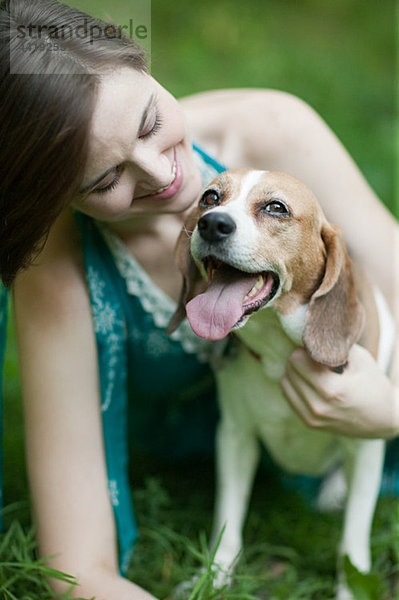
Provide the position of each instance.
(326, 384)
(304, 399)
(298, 403)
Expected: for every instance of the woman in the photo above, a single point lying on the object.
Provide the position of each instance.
(98, 171)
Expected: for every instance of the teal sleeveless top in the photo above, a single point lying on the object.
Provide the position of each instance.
(156, 390)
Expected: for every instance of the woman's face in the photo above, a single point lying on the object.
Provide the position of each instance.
(140, 159)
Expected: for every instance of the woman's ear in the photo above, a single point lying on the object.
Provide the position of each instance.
(335, 316)
(191, 275)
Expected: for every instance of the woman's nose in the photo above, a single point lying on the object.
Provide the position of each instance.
(153, 169)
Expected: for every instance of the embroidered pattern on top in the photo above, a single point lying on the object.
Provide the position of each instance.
(109, 327)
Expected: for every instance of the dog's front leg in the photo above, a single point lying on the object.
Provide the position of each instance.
(364, 468)
(237, 451)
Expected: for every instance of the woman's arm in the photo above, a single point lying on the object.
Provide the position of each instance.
(276, 131)
(64, 440)
(272, 130)
(363, 401)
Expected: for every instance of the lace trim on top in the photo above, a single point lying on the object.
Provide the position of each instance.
(152, 298)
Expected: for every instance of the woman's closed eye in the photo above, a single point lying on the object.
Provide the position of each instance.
(110, 185)
(150, 128)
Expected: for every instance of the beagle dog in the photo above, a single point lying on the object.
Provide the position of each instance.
(272, 269)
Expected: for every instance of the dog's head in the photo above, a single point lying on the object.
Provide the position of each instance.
(259, 238)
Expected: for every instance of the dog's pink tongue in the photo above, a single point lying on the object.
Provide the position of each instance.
(213, 313)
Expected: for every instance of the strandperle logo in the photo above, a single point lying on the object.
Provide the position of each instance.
(133, 20)
(40, 34)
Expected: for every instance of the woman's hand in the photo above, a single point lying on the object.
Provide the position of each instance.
(362, 402)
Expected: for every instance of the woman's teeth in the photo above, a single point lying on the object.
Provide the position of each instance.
(257, 287)
(174, 171)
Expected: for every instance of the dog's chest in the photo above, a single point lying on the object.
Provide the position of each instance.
(264, 335)
(250, 393)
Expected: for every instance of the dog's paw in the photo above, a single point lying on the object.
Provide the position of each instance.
(184, 589)
(216, 578)
(343, 592)
(221, 577)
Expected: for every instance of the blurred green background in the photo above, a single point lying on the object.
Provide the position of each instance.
(338, 55)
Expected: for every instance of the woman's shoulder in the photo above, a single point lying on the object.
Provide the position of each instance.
(232, 124)
(56, 277)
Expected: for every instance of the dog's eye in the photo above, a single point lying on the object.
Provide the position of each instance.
(209, 198)
(276, 208)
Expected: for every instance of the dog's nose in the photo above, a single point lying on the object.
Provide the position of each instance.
(216, 226)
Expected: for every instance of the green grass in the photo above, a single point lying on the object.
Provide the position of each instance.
(290, 550)
(339, 56)
(22, 575)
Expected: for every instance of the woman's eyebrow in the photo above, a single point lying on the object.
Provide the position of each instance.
(92, 184)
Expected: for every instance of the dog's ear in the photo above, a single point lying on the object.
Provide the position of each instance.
(335, 316)
(191, 275)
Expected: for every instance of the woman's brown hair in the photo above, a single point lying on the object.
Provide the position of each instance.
(48, 81)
